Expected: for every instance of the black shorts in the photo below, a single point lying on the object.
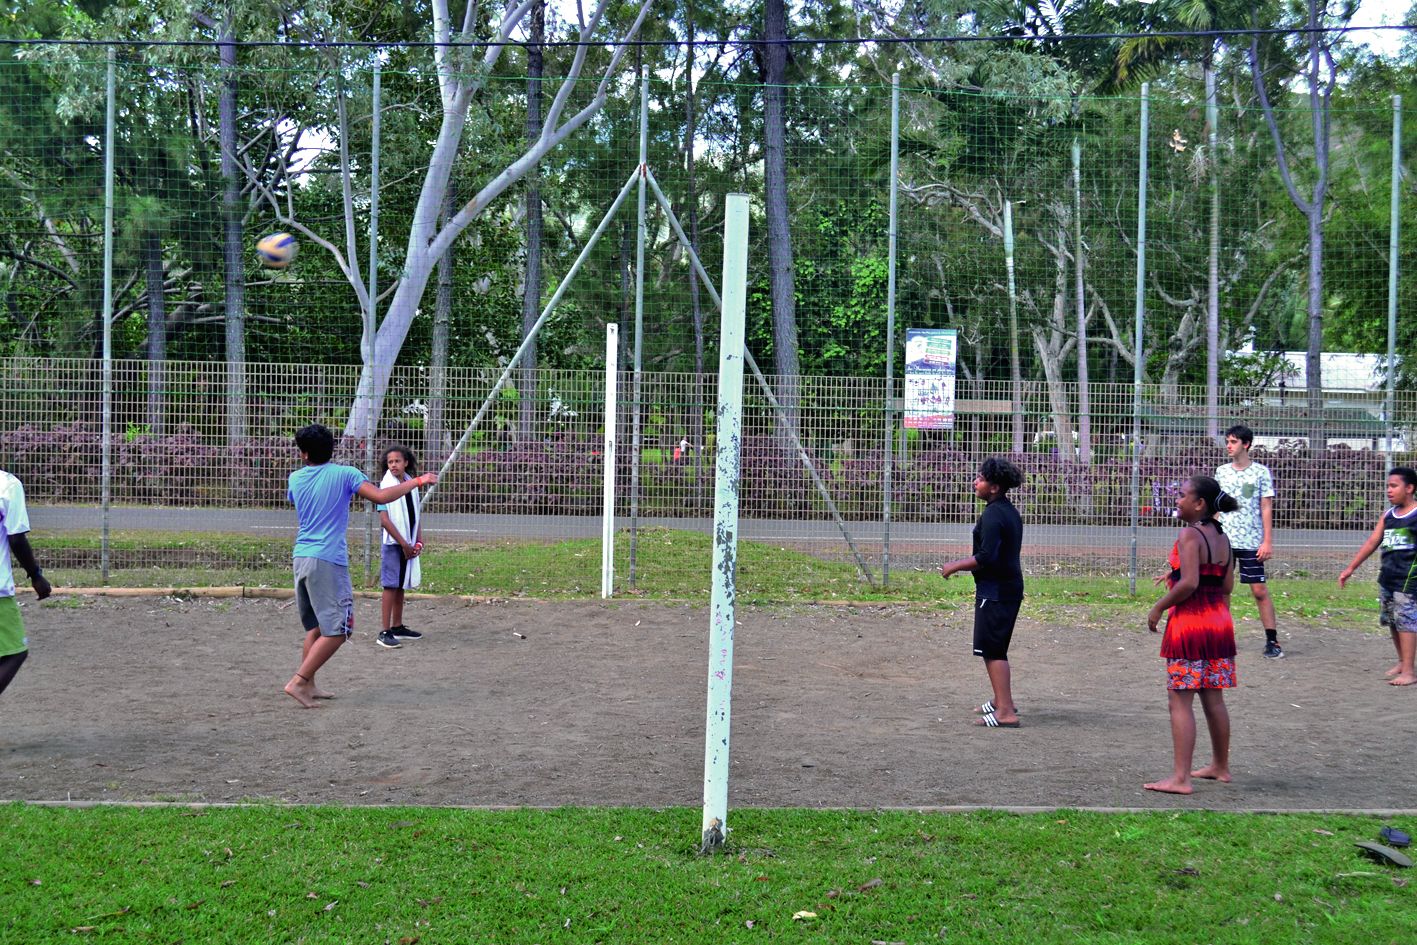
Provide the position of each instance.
(994, 627)
(1251, 567)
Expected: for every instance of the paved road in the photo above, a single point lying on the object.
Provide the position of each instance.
(821, 535)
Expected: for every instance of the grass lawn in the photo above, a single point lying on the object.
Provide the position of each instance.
(670, 565)
(328, 874)
(331, 874)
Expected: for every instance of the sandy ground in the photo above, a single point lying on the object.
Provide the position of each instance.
(604, 704)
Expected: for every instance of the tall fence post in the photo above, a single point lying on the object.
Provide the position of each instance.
(607, 496)
(1212, 305)
(890, 339)
(1390, 407)
(640, 235)
(109, 146)
(1137, 339)
(728, 448)
(1015, 369)
(371, 320)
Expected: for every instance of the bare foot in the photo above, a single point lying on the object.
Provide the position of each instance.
(301, 692)
(1402, 679)
(1212, 772)
(1394, 671)
(321, 694)
(1169, 786)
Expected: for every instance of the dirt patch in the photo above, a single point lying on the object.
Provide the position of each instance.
(604, 704)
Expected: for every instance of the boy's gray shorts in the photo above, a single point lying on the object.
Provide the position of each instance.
(325, 597)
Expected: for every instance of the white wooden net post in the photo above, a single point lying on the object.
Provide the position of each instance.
(728, 453)
(607, 502)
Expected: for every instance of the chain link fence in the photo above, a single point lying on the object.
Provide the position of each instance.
(1025, 220)
(545, 485)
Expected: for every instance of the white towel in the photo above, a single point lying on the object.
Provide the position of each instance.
(404, 513)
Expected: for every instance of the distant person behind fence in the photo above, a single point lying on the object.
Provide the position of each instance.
(14, 543)
(321, 491)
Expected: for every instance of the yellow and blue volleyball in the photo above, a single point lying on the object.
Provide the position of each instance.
(277, 250)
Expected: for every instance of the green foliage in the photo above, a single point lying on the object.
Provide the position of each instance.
(981, 123)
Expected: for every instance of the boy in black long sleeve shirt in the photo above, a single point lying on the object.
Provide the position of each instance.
(998, 584)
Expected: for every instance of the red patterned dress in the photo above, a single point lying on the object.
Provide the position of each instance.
(1199, 644)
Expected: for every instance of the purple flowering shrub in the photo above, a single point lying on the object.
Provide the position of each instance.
(561, 475)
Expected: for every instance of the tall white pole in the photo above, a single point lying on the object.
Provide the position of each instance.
(1015, 370)
(728, 454)
(1392, 247)
(1137, 350)
(106, 464)
(635, 445)
(371, 317)
(889, 447)
(607, 501)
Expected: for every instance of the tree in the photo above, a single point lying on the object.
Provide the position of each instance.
(531, 287)
(459, 79)
(774, 54)
(1143, 57)
(1320, 76)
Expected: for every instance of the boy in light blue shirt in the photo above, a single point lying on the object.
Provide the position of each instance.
(321, 492)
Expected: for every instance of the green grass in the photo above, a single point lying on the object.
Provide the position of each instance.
(670, 565)
(272, 874)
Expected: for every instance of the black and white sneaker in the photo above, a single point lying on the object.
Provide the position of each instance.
(387, 639)
(1273, 651)
(403, 633)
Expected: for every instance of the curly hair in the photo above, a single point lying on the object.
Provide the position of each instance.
(410, 464)
(1001, 473)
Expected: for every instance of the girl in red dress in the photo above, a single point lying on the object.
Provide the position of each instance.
(1199, 645)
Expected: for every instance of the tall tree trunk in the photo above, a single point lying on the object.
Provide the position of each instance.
(696, 429)
(690, 137)
(1212, 315)
(233, 252)
(1321, 77)
(531, 294)
(1079, 290)
(1313, 360)
(436, 441)
(784, 304)
(157, 330)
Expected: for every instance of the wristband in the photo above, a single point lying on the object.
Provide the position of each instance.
(36, 573)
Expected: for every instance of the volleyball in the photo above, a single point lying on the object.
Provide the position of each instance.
(277, 250)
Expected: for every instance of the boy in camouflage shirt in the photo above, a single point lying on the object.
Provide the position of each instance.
(1250, 529)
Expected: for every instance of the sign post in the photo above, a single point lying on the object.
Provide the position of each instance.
(930, 356)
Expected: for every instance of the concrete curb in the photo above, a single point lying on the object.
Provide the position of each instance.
(927, 809)
(240, 590)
